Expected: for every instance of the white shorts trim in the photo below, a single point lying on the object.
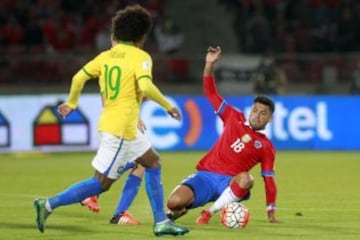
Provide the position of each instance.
(115, 152)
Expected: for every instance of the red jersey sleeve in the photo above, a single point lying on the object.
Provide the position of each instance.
(212, 93)
(222, 109)
(271, 193)
(268, 173)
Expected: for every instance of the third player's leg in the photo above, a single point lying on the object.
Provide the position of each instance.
(181, 198)
(150, 159)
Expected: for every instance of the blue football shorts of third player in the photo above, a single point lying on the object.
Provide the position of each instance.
(207, 187)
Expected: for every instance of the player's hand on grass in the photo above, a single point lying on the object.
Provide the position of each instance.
(175, 113)
(64, 110)
(271, 218)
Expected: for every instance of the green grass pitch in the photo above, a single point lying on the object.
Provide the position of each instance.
(322, 186)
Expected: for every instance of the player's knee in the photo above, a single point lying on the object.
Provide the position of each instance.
(155, 161)
(150, 159)
(105, 186)
(175, 202)
(247, 183)
(138, 171)
(245, 180)
(181, 197)
(105, 182)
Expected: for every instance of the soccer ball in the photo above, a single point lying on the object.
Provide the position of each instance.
(234, 215)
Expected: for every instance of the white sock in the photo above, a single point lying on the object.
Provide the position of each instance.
(226, 197)
(47, 206)
(166, 220)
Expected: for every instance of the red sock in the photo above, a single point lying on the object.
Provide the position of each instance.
(238, 191)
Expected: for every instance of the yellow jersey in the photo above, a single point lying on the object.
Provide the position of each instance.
(119, 71)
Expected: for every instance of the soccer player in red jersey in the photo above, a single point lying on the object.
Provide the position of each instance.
(223, 173)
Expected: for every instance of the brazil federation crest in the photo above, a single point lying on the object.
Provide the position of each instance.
(4, 132)
(49, 128)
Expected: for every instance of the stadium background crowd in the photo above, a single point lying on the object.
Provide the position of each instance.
(316, 43)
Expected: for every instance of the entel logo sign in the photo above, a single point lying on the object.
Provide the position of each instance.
(303, 123)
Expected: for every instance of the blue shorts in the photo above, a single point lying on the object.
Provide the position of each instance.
(207, 187)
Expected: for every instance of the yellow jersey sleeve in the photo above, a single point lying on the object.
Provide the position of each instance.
(152, 92)
(91, 70)
(143, 74)
(143, 66)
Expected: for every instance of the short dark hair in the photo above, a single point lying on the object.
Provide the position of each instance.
(266, 101)
(131, 24)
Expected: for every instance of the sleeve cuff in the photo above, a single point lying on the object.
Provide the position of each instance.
(71, 105)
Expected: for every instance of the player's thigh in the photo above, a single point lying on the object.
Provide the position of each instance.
(205, 186)
(223, 181)
(149, 159)
(181, 197)
(141, 151)
(107, 154)
(115, 154)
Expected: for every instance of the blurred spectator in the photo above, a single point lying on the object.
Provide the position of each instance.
(103, 39)
(155, 7)
(59, 32)
(304, 25)
(12, 32)
(324, 36)
(34, 37)
(346, 31)
(269, 77)
(258, 33)
(60, 25)
(168, 35)
(293, 25)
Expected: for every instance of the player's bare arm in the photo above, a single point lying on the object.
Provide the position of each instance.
(212, 56)
(209, 86)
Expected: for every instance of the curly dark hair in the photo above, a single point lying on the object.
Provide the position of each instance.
(131, 24)
(266, 101)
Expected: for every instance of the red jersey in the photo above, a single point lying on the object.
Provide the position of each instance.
(239, 148)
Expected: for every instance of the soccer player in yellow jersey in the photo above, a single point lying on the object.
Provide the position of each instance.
(125, 75)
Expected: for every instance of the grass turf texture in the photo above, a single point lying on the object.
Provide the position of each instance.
(318, 198)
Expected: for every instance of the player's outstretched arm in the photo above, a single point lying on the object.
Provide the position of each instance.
(209, 86)
(77, 83)
(212, 56)
(153, 93)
